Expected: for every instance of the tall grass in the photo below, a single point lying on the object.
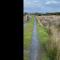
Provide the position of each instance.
(53, 32)
(43, 38)
(42, 34)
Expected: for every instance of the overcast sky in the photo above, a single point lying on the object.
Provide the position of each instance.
(41, 5)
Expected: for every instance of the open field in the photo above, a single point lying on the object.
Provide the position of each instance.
(43, 38)
(48, 29)
(52, 24)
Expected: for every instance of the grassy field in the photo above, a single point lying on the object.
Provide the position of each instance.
(28, 37)
(42, 33)
(52, 23)
(43, 38)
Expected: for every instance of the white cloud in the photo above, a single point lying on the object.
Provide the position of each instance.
(37, 3)
(34, 3)
(52, 2)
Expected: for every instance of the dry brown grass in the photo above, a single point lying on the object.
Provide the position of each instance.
(25, 18)
(52, 23)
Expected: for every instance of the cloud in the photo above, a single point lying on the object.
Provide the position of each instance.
(33, 3)
(36, 1)
(41, 5)
(52, 2)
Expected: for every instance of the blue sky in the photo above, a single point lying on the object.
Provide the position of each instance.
(41, 6)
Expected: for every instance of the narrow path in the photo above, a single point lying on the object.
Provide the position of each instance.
(34, 50)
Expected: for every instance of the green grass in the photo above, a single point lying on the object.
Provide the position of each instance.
(44, 56)
(43, 38)
(42, 34)
(28, 29)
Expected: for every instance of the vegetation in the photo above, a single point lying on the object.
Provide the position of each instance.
(27, 38)
(43, 38)
(52, 53)
(53, 32)
(45, 35)
(39, 14)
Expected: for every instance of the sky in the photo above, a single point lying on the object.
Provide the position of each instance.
(41, 6)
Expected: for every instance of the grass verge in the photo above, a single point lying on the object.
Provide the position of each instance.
(42, 34)
(43, 38)
(28, 29)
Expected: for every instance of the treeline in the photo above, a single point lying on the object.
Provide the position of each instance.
(54, 13)
(39, 14)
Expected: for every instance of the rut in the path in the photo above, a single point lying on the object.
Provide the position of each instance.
(35, 46)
